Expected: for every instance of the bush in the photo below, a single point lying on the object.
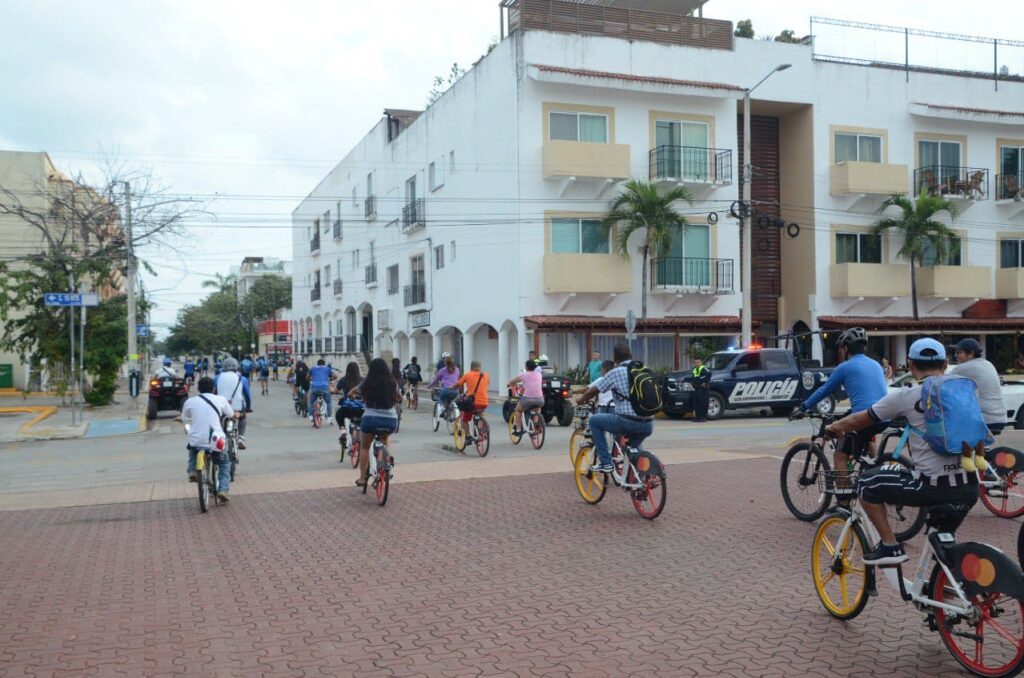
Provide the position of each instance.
(102, 391)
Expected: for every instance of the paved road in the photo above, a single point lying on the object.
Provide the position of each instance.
(506, 576)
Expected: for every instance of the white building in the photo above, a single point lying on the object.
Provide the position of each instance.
(253, 268)
(470, 227)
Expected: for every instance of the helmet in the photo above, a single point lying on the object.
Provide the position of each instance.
(854, 335)
(542, 359)
(446, 354)
(167, 362)
(927, 350)
(970, 346)
(229, 365)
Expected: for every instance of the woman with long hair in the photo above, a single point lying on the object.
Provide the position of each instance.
(380, 394)
(346, 383)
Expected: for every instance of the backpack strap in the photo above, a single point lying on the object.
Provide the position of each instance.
(220, 415)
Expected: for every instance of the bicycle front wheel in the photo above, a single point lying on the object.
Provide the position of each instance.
(802, 466)
(437, 416)
(537, 434)
(459, 435)
(483, 438)
(353, 453)
(1005, 500)
(383, 482)
(840, 576)
(515, 438)
(576, 442)
(649, 499)
(203, 483)
(316, 415)
(591, 486)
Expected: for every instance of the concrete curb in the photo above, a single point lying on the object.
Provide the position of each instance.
(41, 412)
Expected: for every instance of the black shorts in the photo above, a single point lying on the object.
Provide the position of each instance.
(856, 444)
(896, 484)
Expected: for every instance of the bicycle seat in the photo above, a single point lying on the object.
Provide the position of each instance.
(381, 431)
(947, 517)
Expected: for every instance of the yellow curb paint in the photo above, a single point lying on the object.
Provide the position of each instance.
(11, 392)
(143, 423)
(41, 412)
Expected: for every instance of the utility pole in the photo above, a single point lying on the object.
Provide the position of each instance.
(129, 289)
(71, 336)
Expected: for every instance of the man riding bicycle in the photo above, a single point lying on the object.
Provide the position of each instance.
(446, 376)
(624, 421)
(935, 478)
(233, 386)
(413, 374)
(320, 385)
(864, 382)
(301, 373)
(970, 364)
(189, 369)
(476, 382)
(204, 413)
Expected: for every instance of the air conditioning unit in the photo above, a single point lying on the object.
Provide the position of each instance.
(384, 319)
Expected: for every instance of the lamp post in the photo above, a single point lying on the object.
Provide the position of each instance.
(748, 309)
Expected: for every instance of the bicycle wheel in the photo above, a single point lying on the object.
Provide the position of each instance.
(233, 456)
(353, 453)
(801, 467)
(459, 435)
(202, 482)
(576, 442)
(990, 642)
(453, 415)
(511, 431)
(1007, 499)
(317, 415)
(415, 399)
(842, 584)
(591, 486)
(383, 482)
(906, 521)
(298, 407)
(649, 500)
(437, 416)
(537, 434)
(483, 437)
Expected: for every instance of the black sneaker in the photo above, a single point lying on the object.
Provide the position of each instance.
(885, 554)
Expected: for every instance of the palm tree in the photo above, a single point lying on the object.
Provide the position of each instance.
(918, 226)
(221, 283)
(641, 206)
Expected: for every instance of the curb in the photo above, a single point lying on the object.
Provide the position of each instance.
(41, 412)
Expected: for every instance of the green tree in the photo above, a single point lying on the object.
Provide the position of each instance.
(442, 84)
(223, 283)
(106, 345)
(744, 29)
(787, 36)
(641, 207)
(267, 295)
(919, 229)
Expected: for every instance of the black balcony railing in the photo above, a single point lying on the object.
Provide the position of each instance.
(314, 244)
(414, 215)
(371, 274)
(350, 344)
(704, 276)
(337, 286)
(314, 294)
(370, 207)
(1008, 187)
(337, 229)
(415, 294)
(691, 164)
(952, 181)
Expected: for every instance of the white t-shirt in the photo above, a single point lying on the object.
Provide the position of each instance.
(166, 371)
(926, 460)
(203, 421)
(604, 398)
(229, 383)
(990, 391)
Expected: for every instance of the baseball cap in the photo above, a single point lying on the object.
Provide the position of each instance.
(969, 345)
(927, 350)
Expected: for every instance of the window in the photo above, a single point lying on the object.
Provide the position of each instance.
(579, 236)
(338, 332)
(1011, 253)
(316, 226)
(327, 221)
(327, 275)
(858, 248)
(393, 279)
(451, 249)
(751, 360)
(355, 200)
(432, 176)
(435, 172)
(451, 161)
(942, 159)
(1011, 168)
(418, 270)
(439, 257)
(369, 184)
(372, 244)
(775, 361)
(682, 149)
(929, 256)
(589, 127)
(410, 190)
(858, 147)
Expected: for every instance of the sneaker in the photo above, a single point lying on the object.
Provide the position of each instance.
(241, 443)
(193, 477)
(885, 554)
(311, 417)
(602, 468)
(223, 496)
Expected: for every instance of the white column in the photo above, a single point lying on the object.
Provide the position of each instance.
(503, 350)
(467, 350)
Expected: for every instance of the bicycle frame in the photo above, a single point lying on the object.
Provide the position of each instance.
(627, 465)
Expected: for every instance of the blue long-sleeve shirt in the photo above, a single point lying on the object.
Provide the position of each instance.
(863, 380)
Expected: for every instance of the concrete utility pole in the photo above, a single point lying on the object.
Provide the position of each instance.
(745, 220)
(129, 288)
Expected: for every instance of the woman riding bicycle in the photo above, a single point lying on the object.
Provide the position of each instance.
(380, 394)
(533, 393)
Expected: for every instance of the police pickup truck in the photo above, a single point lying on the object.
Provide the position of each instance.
(763, 377)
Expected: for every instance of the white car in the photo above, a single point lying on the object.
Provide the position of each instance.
(1013, 397)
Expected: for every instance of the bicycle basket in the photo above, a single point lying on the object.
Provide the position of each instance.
(838, 482)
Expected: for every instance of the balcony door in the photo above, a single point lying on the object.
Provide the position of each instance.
(688, 262)
(943, 159)
(683, 149)
(1011, 166)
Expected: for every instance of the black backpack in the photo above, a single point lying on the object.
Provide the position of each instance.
(301, 372)
(644, 394)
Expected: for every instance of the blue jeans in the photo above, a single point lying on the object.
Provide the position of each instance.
(635, 432)
(446, 395)
(327, 397)
(223, 466)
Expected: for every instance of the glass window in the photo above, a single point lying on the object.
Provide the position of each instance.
(869, 149)
(776, 361)
(593, 128)
(327, 222)
(593, 237)
(929, 255)
(1010, 253)
(565, 236)
(858, 248)
(579, 236)
(870, 248)
(751, 360)
(846, 248)
(588, 127)
(858, 147)
(846, 147)
(393, 279)
(439, 257)
(432, 176)
(563, 126)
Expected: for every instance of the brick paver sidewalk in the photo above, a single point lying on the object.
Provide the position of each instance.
(512, 576)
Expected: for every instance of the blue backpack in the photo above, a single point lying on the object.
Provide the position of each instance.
(952, 414)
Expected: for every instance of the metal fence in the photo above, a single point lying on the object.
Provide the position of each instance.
(691, 164)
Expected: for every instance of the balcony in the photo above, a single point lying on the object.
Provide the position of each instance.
(414, 215)
(851, 177)
(693, 275)
(337, 287)
(370, 274)
(314, 244)
(370, 207)
(350, 343)
(587, 273)
(337, 229)
(585, 160)
(949, 282)
(415, 294)
(1010, 283)
(691, 165)
(948, 181)
(314, 294)
(1008, 187)
(869, 280)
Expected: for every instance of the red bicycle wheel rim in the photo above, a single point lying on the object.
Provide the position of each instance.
(647, 504)
(353, 454)
(382, 486)
(988, 628)
(483, 438)
(1000, 506)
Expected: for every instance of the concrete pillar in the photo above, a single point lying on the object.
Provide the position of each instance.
(503, 360)
(900, 357)
(468, 352)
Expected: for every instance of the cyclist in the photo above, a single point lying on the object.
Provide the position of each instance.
(444, 357)
(264, 374)
(190, 370)
(412, 373)
(624, 421)
(348, 381)
(970, 364)
(935, 479)
(446, 377)
(204, 413)
(218, 365)
(865, 385)
(204, 366)
(380, 394)
(320, 385)
(301, 373)
(274, 368)
(166, 370)
(233, 386)
(476, 383)
(594, 367)
(396, 372)
(533, 393)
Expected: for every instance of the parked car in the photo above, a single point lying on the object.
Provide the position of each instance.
(1013, 397)
(763, 377)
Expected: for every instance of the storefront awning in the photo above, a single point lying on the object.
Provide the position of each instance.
(707, 324)
(899, 325)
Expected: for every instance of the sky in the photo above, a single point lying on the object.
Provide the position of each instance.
(247, 105)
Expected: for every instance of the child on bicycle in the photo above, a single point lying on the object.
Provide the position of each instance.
(380, 394)
(935, 478)
(204, 414)
(533, 393)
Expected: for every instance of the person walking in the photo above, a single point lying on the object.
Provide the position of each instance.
(594, 366)
(701, 376)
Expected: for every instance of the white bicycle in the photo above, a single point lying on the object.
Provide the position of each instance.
(636, 471)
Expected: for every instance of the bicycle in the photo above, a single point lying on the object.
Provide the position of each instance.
(412, 396)
(231, 434)
(349, 417)
(381, 463)
(301, 402)
(973, 588)
(207, 465)
(534, 428)
(636, 471)
(479, 433)
(581, 430)
(319, 410)
(448, 412)
(805, 462)
(1001, 488)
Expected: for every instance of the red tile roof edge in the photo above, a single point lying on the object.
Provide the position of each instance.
(548, 322)
(636, 78)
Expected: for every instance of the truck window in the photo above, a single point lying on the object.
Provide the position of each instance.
(720, 361)
(751, 360)
(776, 361)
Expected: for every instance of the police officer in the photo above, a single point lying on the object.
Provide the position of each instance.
(701, 389)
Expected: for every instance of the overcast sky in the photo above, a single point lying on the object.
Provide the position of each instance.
(261, 99)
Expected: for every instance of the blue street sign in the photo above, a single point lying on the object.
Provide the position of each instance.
(142, 330)
(70, 299)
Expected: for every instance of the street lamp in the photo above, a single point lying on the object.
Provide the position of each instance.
(748, 310)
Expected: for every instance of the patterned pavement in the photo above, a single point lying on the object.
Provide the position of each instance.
(497, 576)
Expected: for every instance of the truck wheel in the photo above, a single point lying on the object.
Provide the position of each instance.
(716, 406)
(827, 406)
(565, 419)
(151, 409)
